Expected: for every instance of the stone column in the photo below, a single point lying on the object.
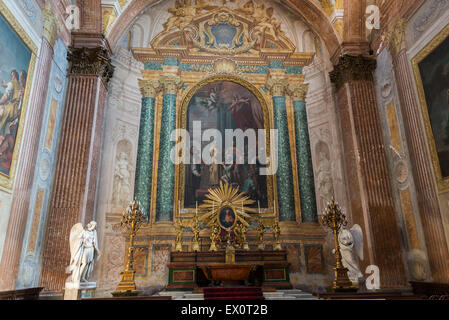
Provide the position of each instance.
(437, 250)
(166, 168)
(368, 177)
(144, 166)
(76, 172)
(284, 179)
(30, 148)
(304, 154)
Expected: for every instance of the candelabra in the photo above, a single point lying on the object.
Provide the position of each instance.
(334, 219)
(132, 220)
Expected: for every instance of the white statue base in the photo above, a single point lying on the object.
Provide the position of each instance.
(79, 290)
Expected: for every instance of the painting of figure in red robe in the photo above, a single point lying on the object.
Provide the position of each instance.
(231, 110)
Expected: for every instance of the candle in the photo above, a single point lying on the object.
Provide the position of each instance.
(197, 208)
(258, 205)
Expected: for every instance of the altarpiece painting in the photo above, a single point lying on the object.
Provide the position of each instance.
(225, 105)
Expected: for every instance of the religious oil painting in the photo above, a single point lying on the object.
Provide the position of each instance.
(15, 59)
(225, 106)
(227, 218)
(432, 72)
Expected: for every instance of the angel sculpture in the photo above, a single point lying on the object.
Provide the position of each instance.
(351, 244)
(83, 251)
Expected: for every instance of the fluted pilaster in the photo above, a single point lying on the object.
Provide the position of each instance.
(367, 171)
(431, 220)
(75, 182)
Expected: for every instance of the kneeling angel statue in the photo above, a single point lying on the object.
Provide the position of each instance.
(351, 247)
(84, 252)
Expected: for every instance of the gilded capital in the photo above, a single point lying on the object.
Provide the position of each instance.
(297, 91)
(171, 83)
(50, 25)
(277, 86)
(396, 37)
(353, 68)
(91, 61)
(149, 88)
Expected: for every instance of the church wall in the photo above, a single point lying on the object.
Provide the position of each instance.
(404, 193)
(30, 15)
(422, 26)
(29, 271)
(121, 130)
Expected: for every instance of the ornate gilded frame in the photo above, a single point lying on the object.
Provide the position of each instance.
(7, 181)
(230, 206)
(181, 123)
(442, 183)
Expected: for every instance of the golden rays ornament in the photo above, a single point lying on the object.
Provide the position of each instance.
(227, 207)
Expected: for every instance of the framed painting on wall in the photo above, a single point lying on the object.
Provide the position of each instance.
(431, 70)
(17, 60)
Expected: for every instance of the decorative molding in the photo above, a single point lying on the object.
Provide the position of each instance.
(396, 37)
(50, 24)
(171, 83)
(298, 92)
(150, 88)
(91, 61)
(353, 68)
(277, 87)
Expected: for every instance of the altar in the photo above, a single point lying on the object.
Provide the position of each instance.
(191, 270)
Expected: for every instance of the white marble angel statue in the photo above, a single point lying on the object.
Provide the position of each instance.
(351, 245)
(84, 251)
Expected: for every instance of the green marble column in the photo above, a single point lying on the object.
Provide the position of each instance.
(166, 168)
(284, 175)
(144, 166)
(304, 155)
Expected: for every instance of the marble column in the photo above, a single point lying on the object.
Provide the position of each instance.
(284, 175)
(144, 166)
(437, 250)
(304, 154)
(76, 172)
(166, 167)
(368, 176)
(26, 167)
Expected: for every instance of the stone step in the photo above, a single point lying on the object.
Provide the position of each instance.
(293, 291)
(194, 296)
(281, 298)
(173, 293)
(273, 294)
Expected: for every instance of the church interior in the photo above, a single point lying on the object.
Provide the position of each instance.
(224, 149)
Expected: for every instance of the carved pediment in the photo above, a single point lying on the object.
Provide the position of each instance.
(219, 30)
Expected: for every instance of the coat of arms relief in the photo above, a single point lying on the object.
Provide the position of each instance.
(227, 27)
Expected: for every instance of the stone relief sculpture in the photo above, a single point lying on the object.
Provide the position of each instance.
(324, 174)
(84, 252)
(351, 247)
(122, 180)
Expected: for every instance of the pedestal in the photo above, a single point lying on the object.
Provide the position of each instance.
(79, 290)
(127, 286)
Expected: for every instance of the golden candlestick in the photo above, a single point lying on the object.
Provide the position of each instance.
(132, 220)
(334, 219)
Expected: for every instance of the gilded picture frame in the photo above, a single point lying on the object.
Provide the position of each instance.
(7, 180)
(181, 121)
(442, 182)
